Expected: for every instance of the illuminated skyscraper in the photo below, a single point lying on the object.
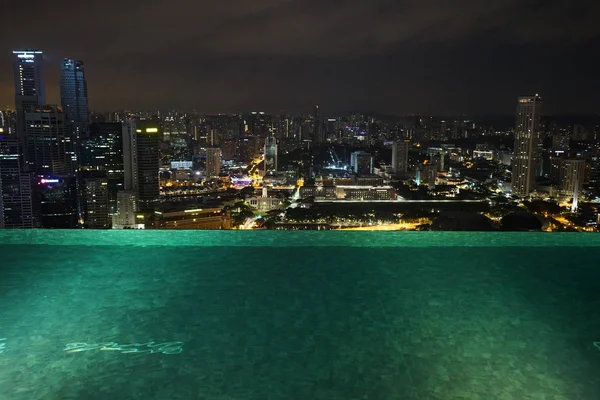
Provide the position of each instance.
(213, 161)
(148, 140)
(16, 210)
(73, 96)
(572, 173)
(141, 162)
(526, 144)
(96, 206)
(29, 86)
(48, 145)
(270, 162)
(400, 158)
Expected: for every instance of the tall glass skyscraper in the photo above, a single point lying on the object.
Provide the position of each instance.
(29, 86)
(73, 95)
(526, 156)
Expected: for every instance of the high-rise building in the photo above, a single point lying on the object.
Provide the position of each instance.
(572, 173)
(428, 175)
(400, 158)
(125, 217)
(48, 145)
(57, 197)
(16, 207)
(318, 136)
(148, 162)
(73, 97)
(141, 139)
(213, 161)
(30, 93)
(526, 146)
(103, 151)
(270, 162)
(361, 162)
(96, 207)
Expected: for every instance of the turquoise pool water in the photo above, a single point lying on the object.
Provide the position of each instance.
(299, 315)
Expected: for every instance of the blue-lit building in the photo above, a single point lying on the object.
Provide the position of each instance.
(73, 96)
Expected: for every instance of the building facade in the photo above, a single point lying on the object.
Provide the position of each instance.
(28, 68)
(213, 162)
(526, 145)
(270, 162)
(48, 145)
(400, 158)
(16, 207)
(361, 163)
(73, 97)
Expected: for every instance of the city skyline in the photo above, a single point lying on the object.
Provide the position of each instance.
(430, 58)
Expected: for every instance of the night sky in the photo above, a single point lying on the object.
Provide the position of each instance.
(397, 57)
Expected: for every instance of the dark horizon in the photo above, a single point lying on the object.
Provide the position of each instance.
(399, 58)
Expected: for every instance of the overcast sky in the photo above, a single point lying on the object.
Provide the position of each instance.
(413, 56)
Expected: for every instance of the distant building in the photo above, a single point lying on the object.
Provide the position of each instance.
(103, 151)
(96, 204)
(264, 203)
(16, 208)
(213, 161)
(229, 149)
(571, 178)
(28, 68)
(526, 145)
(318, 136)
(400, 158)
(148, 139)
(125, 217)
(73, 97)
(270, 161)
(57, 199)
(200, 218)
(428, 175)
(48, 145)
(361, 163)
(141, 139)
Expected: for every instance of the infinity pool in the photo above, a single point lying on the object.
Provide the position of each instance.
(299, 315)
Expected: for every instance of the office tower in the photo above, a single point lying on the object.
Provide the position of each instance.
(428, 175)
(73, 97)
(526, 144)
(124, 218)
(213, 161)
(48, 145)
(103, 151)
(57, 197)
(141, 162)
(270, 162)
(572, 175)
(247, 149)
(96, 206)
(400, 158)
(16, 207)
(318, 136)
(130, 164)
(29, 86)
(229, 149)
(148, 187)
(361, 163)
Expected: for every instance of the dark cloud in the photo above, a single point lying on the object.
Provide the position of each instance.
(433, 56)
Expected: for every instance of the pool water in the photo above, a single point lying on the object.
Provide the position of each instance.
(312, 315)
